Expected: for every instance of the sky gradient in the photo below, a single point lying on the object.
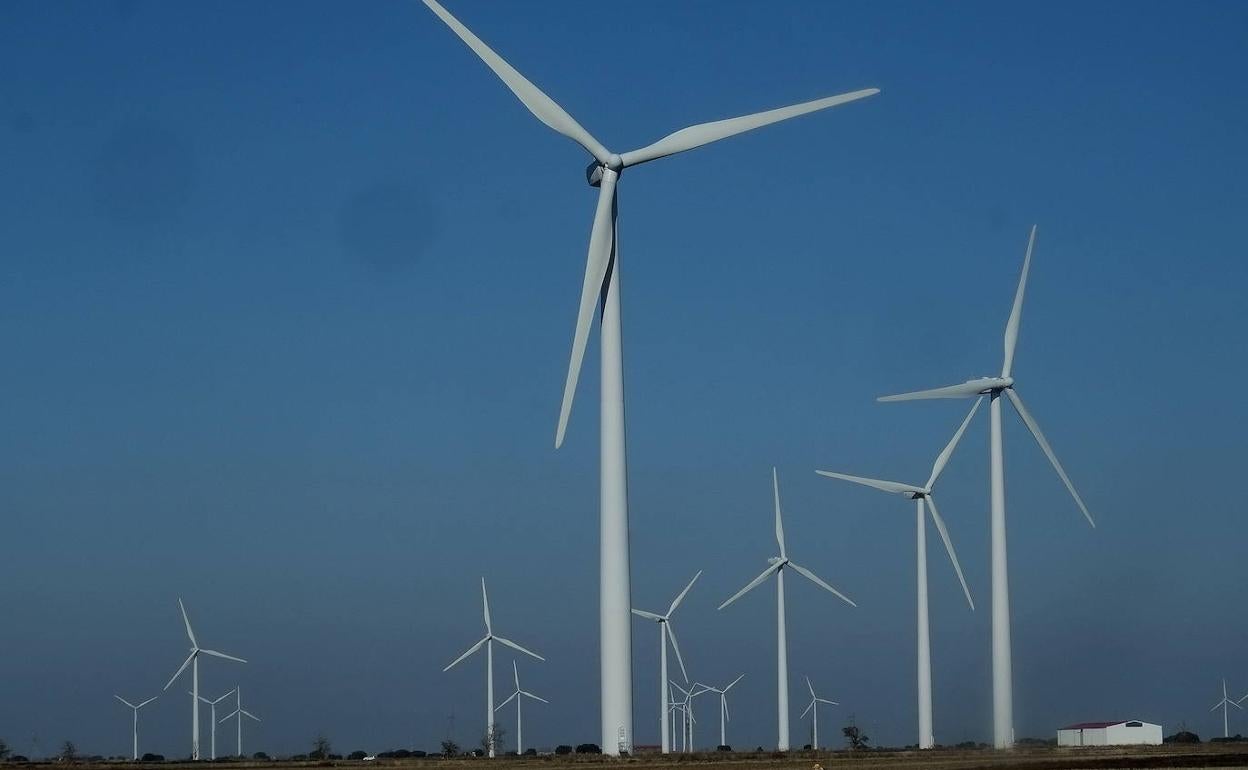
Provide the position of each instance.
(287, 291)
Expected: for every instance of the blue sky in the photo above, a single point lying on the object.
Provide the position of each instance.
(287, 291)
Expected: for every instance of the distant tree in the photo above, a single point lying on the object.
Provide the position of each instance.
(855, 736)
(494, 738)
(321, 747)
(588, 748)
(530, 752)
(449, 748)
(563, 748)
(260, 755)
(69, 752)
(150, 757)
(1182, 736)
(723, 747)
(4, 750)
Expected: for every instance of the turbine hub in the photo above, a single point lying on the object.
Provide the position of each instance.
(593, 172)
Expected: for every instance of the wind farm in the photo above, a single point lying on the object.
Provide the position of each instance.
(295, 294)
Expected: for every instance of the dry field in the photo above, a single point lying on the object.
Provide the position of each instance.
(1191, 756)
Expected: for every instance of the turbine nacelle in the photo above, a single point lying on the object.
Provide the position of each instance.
(593, 172)
(991, 384)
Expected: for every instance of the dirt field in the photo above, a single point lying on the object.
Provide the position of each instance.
(1192, 756)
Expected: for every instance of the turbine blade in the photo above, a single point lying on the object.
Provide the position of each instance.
(144, 703)
(230, 715)
(829, 702)
(598, 261)
(681, 597)
(542, 106)
(947, 452)
(128, 703)
(470, 651)
(753, 584)
(671, 636)
(810, 687)
(1236, 705)
(1016, 312)
(775, 486)
(510, 698)
(683, 691)
(515, 670)
(887, 486)
(534, 697)
(187, 621)
(517, 647)
(738, 679)
(250, 715)
(705, 133)
(485, 604)
(962, 390)
(727, 715)
(807, 711)
(953, 556)
(222, 655)
(819, 582)
(181, 668)
(647, 615)
(1048, 450)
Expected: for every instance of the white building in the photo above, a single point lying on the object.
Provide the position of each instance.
(1120, 733)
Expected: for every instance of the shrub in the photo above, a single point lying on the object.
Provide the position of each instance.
(723, 748)
(563, 748)
(588, 748)
(150, 757)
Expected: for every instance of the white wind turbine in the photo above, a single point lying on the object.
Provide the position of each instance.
(815, 700)
(488, 643)
(994, 387)
(778, 565)
(686, 708)
(921, 495)
(519, 695)
(723, 708)
(192, 660)
(240, 712)
(666, 634)
(212, 705)
(136, 719)
(1224, 704)
(601, 287)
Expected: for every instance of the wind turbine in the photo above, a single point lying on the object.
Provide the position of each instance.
(519, 695)
(686, 706)
(723, 708)
(488, 643)
(212, 705)
(666, 634)
(994, 387)
(192, 660)
(136, 719)
(1223, 704)
(601, 287)
(921, 495)
(778, 565)
(815, 700)
(240, 712)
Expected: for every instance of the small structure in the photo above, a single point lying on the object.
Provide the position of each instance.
(1120, 733)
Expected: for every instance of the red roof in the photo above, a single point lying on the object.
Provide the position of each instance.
(1093, 725)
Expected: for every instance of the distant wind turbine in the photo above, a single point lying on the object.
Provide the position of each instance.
(778, 565)
(665, 635)
(488, 643)
(994, 387)
(919, 495)
(686, 706)
(239, 713)
(192, 660)
(212, 705)
(723, 708)
(519, 695)
(600, 288)
(136, 718)
(1224, 704)
(815, 700)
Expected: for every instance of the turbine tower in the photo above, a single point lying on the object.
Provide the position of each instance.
(240, 712)
(778, 565)
(601, 288)
(488, 643)
(994, 387)
(1224, 704)
(723, 708)
(921, 495)
(136, 719)
(686, 708)
(815, 700)
(212, 705)
(519, 695)
(192, 660)
(666, 634)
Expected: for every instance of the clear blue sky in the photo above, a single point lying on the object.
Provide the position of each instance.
(287, 290)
